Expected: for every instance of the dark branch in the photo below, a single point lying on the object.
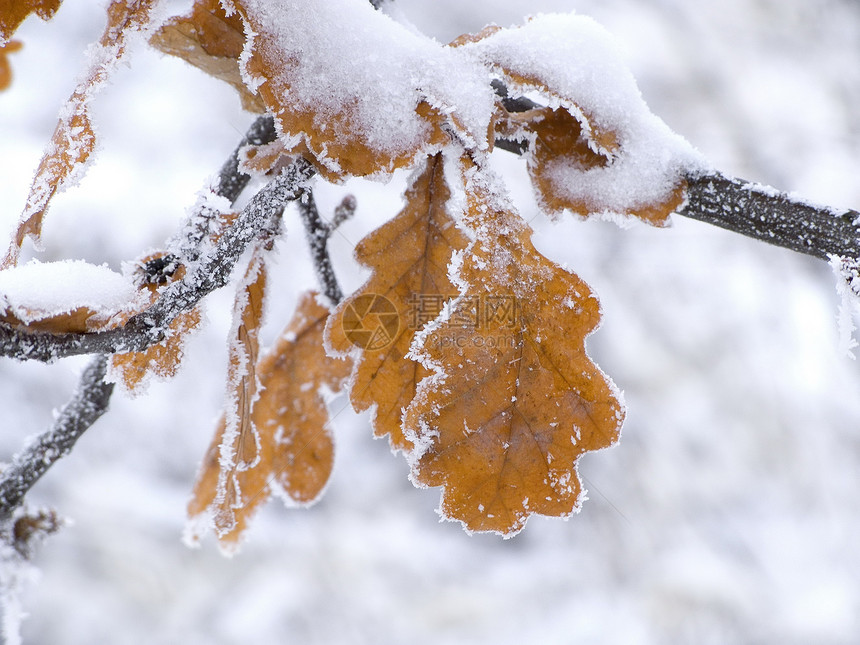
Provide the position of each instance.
(773, 217)
(211, 271)
(88, 403)
(318, 233)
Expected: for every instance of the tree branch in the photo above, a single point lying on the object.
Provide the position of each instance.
(765, 214)
(318, 233)
(211, 271)
(89, 402)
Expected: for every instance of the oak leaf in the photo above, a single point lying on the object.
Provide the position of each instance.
(66, 307)
(409, 256)
(296, 449)
(74, 139)
(514, 400)
(356, 92)
(14, 12)
(212, 41)
(593, 147)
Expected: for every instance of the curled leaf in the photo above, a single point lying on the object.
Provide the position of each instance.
(74, 139)
(594, 147)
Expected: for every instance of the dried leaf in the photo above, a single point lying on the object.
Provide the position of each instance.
(595, 147)
(14, 12)
(409, 256)
(5, 68)
(212, 41)
(161, 360)
(68, 306)
(237, 447)
(515, 399)
(74, 140)
(557, 145)
(333, 118)
(296, 452)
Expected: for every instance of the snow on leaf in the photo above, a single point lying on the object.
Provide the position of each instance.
(410, 256)
(14, 12)
(514, 400)
(595, 147)
(296, 449)
(358, 92)
(212, 41)
(6, 69)
(68, 296)
(74, 139)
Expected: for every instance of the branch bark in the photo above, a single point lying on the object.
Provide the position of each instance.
(211, 270)
(765, 214)
(318, 233)
(89, 402)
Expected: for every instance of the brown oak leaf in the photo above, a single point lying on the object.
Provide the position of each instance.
(14, 12)
(514, 400)
(409, 256)
(212, 41)
(335, 119)
(162, 360)
(587, 146)
(296, 449)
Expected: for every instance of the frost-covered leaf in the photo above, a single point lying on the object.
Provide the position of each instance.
(67, 296)
(212, 41)
(5, 67)
(409, 256)
(14, 12)
(514, 400)
(356, 91)
(595, 147)
(236, 448)
(74, 139)
(296, 449)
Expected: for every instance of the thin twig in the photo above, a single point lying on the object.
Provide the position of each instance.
(89, 402)
(228, 184)
(318, 233)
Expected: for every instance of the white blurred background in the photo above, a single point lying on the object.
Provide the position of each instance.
(727, 514)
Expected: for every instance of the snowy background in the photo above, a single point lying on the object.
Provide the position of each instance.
(730, 509)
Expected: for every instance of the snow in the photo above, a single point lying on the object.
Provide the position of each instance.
(38, 290)
(595, 85)
(342, 56)
(728, 513)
